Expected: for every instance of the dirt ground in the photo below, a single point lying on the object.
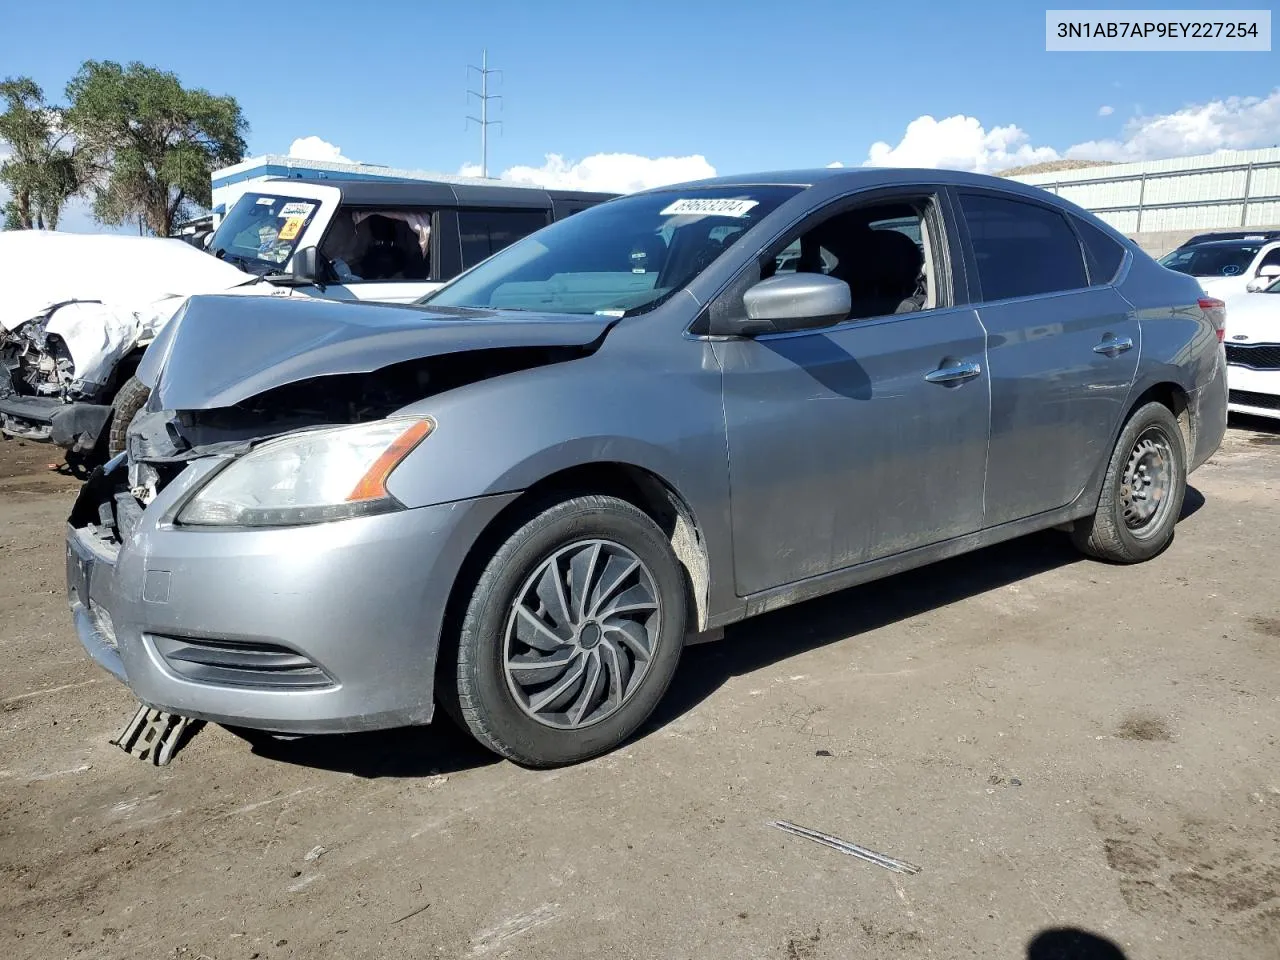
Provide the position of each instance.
(1056, 743)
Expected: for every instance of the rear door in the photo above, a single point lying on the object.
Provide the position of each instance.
(1062, 348)
(483, 232)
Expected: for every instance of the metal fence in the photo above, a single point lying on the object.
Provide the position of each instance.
(1228, 190)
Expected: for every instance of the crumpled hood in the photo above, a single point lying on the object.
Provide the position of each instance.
(1255, 317)
(220, 350)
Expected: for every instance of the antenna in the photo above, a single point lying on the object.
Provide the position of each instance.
(484, 97)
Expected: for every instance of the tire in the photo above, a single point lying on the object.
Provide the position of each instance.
(130, 398)
(1151, 450)
(514, 710)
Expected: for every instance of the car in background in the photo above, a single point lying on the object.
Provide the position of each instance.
(1228, 268)
(80, 310)
(1253, 353)
(519, 497)
(1262, 235)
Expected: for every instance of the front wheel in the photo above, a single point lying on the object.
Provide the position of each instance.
(1142, 491)
(131, 398)
(572, 633)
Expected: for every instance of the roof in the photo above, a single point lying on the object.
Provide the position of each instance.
(1232, 242)
(860, 178)
(428, 192)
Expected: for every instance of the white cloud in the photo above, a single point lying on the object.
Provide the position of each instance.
(1235, 123)
(959, 143)
(963, 143)
(314, 148)
(608, 172)
(1106, 111)
(834, 165)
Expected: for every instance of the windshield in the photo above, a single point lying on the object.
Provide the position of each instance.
(260, 232)
(621, 257)
(1229, 260)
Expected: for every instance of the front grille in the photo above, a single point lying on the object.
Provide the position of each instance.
(1265, 356)
(1246, 398)
(240, 664)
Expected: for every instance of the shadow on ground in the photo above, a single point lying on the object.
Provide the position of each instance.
(1069, 943)
(747, 646)
(1265, 430)
(407, 752)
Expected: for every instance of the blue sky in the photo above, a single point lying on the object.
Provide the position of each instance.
(768, 85)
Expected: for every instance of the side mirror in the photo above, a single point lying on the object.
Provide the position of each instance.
(795, 301)
(306, 266)
(1266, 276)
(305, 270)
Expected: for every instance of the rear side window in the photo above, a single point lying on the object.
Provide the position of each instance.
(1102, 255)
(1022, 249)
(485, 232)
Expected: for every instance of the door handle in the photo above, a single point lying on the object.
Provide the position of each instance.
(1114, 346)
(954, 374)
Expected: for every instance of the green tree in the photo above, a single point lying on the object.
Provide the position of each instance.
(44, 169)
(153, 142)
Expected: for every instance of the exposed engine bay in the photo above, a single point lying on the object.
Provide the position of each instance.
(38, 362)
(161, 443)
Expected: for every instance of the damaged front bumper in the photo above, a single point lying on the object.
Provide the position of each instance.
(73, 426)
(330, 627)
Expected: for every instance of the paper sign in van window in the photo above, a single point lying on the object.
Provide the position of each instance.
(296, 210)
(265, 201)
(292, 227)
(713, 207)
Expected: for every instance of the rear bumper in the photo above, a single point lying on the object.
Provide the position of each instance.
(29, 418)
(326, 628)
(1208, 411)
(1254, 392)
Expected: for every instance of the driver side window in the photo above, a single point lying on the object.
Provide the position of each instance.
(883, 251)
(366, 245)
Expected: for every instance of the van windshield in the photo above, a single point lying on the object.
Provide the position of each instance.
(621, 257)
(260, 232)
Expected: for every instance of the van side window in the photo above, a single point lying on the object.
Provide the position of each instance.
(485, 232)
(1102, 255)
(364, 245)
(1022, 249)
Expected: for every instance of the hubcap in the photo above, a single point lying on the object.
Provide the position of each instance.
(1147, 484)
(581, 634)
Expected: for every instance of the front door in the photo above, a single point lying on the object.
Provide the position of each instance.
(866, 438)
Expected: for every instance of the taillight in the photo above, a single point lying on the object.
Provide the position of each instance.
(1216, 311)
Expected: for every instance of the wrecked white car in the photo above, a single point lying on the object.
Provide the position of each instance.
(76, 316)
(80, 309)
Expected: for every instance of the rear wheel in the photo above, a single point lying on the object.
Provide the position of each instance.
(131, 398)
(1142, 491)
(572, 633)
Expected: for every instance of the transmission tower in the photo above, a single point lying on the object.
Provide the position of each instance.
(484, 96)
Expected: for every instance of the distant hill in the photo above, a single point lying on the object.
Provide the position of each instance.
(1053, 166)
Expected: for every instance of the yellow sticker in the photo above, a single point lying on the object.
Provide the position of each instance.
(292, 227)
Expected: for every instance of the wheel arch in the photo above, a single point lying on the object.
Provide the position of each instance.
(637, 485)
(1175, 397)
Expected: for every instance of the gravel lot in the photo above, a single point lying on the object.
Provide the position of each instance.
(1055, 742)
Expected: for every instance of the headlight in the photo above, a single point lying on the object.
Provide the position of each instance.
(308, 478)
